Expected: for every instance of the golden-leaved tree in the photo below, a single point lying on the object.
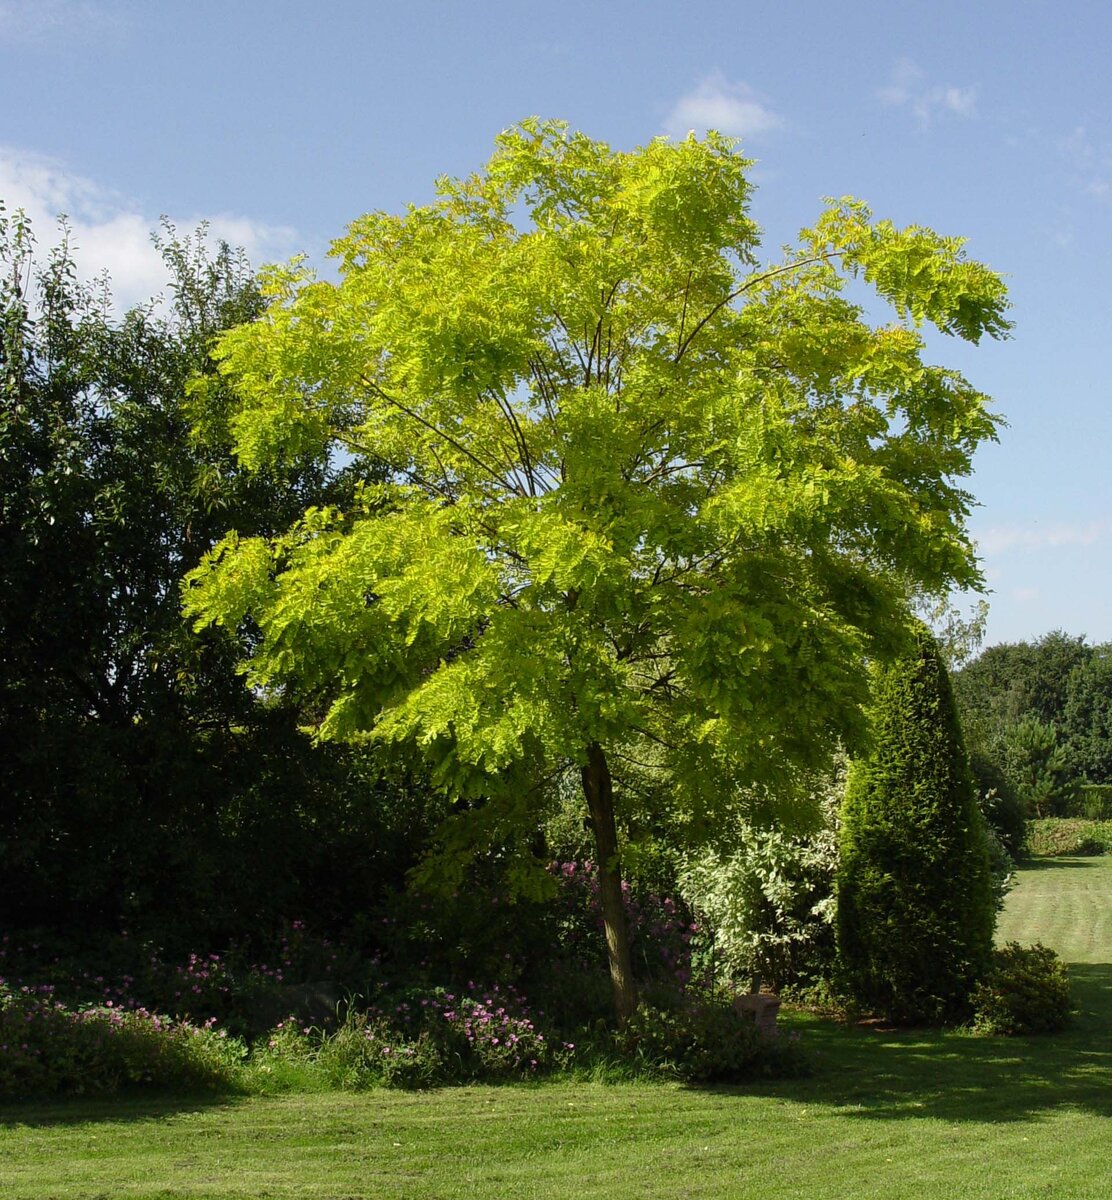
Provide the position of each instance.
(629, 492)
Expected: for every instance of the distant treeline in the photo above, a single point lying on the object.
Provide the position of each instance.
(1037, 718)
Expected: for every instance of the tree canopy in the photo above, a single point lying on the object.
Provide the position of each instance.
(630, 493)
(1039, 714)
(140, 781)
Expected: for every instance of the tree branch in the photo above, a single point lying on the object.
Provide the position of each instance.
(416, 416)
(752, 281)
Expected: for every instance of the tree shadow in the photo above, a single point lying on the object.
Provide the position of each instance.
(956, 1077)
(123, 1107)
(1056, 864)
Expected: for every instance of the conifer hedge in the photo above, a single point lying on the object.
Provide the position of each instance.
(915, 903)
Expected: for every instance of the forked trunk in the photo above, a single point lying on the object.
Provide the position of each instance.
(599, 793)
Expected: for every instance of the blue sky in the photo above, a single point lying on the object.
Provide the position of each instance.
(280, 123)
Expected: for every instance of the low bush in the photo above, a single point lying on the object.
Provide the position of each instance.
(48, 1048)
(1027, 990)
(1092, 801)
(419, 1039)
(367, 1052)
(1053, 836)
(703, 1039)
(244, 989)
(824, 998)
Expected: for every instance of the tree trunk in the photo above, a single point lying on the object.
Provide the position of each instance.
(599, 792)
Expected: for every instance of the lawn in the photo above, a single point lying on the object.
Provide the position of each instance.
(886, 1115)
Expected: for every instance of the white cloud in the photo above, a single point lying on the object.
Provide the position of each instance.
(110, 232)
(1034, 537)
(908, 87)
(715, 103)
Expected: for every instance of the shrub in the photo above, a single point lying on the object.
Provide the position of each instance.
(769, 901)
(484, 1033)
(367, 1051)
(1001, 808)
(48, 1048)
(1090, 802)
(245, 988)
(1001, 867)
(700, 1040)
(1027, 990)
(916, 908)
(420, 1039)
(1069, 836)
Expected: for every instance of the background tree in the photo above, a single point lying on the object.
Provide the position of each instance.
(140, 780)
(1037, 719)
(1014, 680)
(643, 497)
(1086, 719)
(1036, 762)
(915, 901)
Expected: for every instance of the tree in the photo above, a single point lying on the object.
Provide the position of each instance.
(915, 899)
(1086, 720)
(125, 737)
(639, 496)
(1015, 680)
(1036, 761)
(1041, 713)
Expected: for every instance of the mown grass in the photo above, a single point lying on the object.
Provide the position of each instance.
(887, 1114)
(1065, 903)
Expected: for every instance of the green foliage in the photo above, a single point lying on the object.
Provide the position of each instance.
(140, 779)
(366, 1052)
(1086, 719)
(1069, 836)
(1004, 812)
(768, 898)
(423, 1038)
(606, 453)
(1011, 681)
(702, 1040)
(915, 898)
(1093, 801)
(1040, 715)
(1036, 762)
(47, 1048)
(1027, 990)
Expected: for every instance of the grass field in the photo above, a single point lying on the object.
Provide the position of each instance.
(886, 1115)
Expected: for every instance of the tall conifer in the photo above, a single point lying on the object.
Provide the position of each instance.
(915, 903)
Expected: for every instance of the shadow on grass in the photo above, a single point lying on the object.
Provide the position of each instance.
(123, 1107)
(1047, 864)
(956, 1077)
